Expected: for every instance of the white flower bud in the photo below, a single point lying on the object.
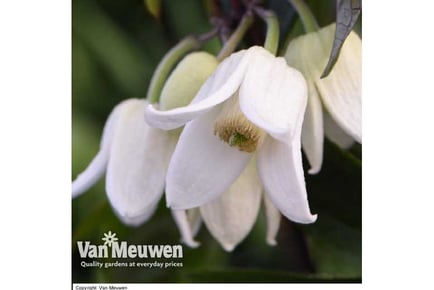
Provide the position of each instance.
(186, 79)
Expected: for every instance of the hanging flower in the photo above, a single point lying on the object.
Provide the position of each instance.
(134, 155)
(135, 158)
(253, 105)
(339, 92)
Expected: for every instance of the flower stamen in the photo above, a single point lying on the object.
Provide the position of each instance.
(234, 128)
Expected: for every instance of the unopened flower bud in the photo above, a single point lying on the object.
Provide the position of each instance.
(186, 79)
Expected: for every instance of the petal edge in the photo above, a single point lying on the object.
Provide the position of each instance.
(281, 172)
(222, 84)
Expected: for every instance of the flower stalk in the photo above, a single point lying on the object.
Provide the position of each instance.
(236, 37)
(309, 22)
(166, 65)
(272, 36)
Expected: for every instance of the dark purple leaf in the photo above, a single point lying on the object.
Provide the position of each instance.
(347, 12)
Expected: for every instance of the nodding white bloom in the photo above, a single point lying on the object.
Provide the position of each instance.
(252, 105)
(339, 92)
(135, 158)
(134, 155)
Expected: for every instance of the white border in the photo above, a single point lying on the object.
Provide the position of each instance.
(35, 122)
(35, 145)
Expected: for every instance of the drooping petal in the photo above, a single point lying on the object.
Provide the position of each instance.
(306, 54)
(218, 88)
(98, 165)
(181, 220)
(341, 89)
(312, 136)
(335, 134)
(273, 95)
(273, 221)
(138, 220)
(281, 171)
(91, 174)
(194, 219)
(231, 216)
(202, 166)
(139, 157)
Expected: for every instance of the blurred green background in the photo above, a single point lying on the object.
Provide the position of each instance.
(116, 46)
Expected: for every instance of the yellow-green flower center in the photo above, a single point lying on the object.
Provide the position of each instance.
(232, 127)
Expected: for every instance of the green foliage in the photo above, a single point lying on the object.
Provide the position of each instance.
(337, 189)
(154, 7)
(335, 248)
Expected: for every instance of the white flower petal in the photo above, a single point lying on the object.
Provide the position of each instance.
(281, 172)
(181, 220)
(307, 54)
(139, 158)
(231, 216)
(273, 221)
(194, 219)
(335, 134)
(312, 136)
(341, 89)
(273, 95)
(219, 87)
(202, 166)
(136, 221)
(91, 174)
(98, 165)
(294, 54)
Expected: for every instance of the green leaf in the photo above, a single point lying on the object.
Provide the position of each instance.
(192, 21)
(154, 7)
(85, 142)
(335, 248)
(337, 189)
(126, 64)
(347, 12)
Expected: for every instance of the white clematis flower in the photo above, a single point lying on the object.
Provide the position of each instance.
(253, 104)
(135, 155)
(232, 215)
(339, 92)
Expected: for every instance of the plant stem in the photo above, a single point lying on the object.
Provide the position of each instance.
(309, 22)
(272, 37)
(236, 37)
(166, 65)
